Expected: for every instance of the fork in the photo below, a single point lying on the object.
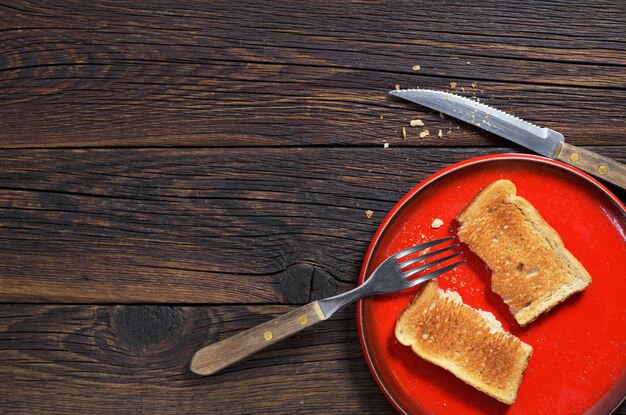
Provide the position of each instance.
(390, 276)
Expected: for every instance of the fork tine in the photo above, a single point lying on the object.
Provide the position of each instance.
(414, 271)
(421, 247)
(427, 255)
(434, 274)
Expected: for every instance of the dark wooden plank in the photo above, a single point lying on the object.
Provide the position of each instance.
(199, 225)
(134, 359)
(194, 225)
(118, 74)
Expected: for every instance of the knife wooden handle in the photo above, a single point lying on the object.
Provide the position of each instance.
(217, 356)
(593, 163)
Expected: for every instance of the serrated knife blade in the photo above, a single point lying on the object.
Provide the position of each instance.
(545, 141)
(541, 140)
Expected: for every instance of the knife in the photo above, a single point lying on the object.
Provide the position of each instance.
(545, 141)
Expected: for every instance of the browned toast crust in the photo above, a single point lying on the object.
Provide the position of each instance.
(467, 342)
(531, 268)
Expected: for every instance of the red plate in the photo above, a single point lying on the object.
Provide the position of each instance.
(579, 347)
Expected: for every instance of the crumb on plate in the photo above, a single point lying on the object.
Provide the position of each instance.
(437, 223)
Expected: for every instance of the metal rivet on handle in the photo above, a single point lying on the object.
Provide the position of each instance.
(302, 320)
(602, 169)
(267, 335)
(574, 157)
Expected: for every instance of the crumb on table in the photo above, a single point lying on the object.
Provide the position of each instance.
(369, 213)
(424, 133)
(416, 123)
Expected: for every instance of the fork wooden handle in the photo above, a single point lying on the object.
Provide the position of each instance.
(217, 356)
(602, 167)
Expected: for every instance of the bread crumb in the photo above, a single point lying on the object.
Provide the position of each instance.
(403, 133)
(416, 67)
(474, 84)
(416, 123)
(441, 115)
(440, 133)
(369, 213)
(381, 117)
(424, 133)
(437, 223)
(397, 87)
(385, 145)
(453, 85)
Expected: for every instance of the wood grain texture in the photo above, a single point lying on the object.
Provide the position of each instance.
(217, 356)
(199, 225)
(233, 73)
(602, 167)
(192, 225)
(211, 152)
(135, 359)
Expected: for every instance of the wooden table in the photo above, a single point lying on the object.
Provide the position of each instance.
(171, 173)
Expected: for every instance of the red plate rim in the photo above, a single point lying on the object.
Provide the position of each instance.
(409, 195)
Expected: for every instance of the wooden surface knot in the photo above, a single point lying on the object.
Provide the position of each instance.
(233, 161)
(144, 326)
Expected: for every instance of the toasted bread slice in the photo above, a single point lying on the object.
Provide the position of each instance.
(469, 343)
(531, 269)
